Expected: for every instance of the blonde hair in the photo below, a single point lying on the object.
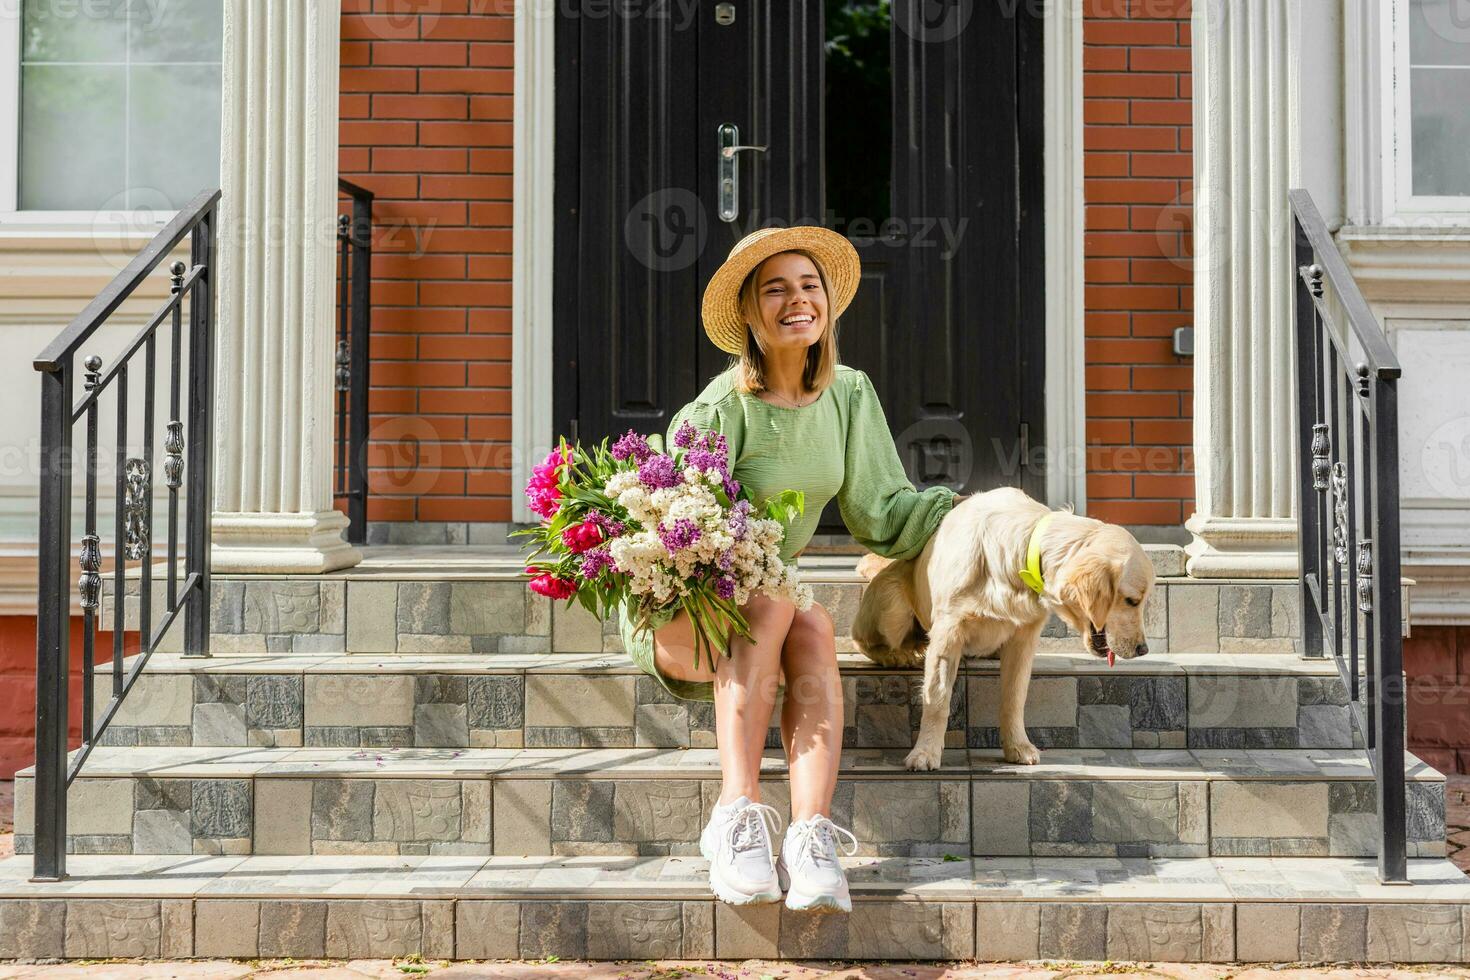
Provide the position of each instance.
(750, 364)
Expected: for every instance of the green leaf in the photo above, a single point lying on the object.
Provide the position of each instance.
(953, 857)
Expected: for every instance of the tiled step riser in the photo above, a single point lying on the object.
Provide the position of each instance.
(587, 814)
(488, 617)
(627, 709)
(631, 929)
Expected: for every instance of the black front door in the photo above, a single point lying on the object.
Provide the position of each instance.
(914, 129)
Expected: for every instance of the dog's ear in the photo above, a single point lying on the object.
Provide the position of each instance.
(1091, 586)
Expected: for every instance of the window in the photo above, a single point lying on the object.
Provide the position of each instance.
(115, 106)
(1430, 154)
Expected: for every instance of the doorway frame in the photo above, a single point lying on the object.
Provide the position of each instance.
(533, 251)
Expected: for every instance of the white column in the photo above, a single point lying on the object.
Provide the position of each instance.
(277, 257)
(1245, 143)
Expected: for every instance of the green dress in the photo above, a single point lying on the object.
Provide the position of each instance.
(838, 446)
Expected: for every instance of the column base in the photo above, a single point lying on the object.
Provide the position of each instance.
(1241, 547)
(297, 543)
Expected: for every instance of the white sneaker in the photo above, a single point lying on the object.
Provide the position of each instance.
(809, 870)
(737, 844)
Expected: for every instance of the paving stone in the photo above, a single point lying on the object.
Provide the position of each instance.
(34, 929)
(1324, 726)
(100, 929)
(1073, 932)
(221, 808)
(440, 726)
(162, 832)
(357, 700)
(342, 809)
(642, 810)
(294, 929)
(1286, 610)
(274, 701)
(487, 930)
(282, 606)
(176, 916)
(1001, 815)
(1104, 726)
(1231, 701)
(522, 815)
(438, 926)
(699, 929)
(372, 617)
(1334, 933)
(162, 794)
(883, 725)
(219, 688)
(1007, 931)
(661, 725)
(1150, 931)
(1194, 612)
(885, 812)
(226, 606)
(434, 643)
(417, 810)
(100, 807)
(227, 928)
(1051, 702)
(574, 630)
(747, 931)
(553, 928)
(423, 607)
(635, 930)
(219, 724)
(487, 607)
(318, 643)
(1245, 610)
(538, 615)
(154, 700)
(373, 929)
(1264, 809)
(1124, 811)
(1424, 811)
(1352, 834)
(573, 700)
(1218, 921)
(1267, 933)
(1061, 811)
(926, 930)
(1415, 934)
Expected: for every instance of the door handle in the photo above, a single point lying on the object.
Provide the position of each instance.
(729, 169)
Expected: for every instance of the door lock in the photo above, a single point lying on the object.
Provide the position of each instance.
(724, 14)
(729, 169)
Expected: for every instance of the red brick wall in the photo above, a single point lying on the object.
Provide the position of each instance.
(1139, 184)
(426, 125)
(1437, 664)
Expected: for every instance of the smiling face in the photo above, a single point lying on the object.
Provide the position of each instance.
(1103, 588)
(790, 302)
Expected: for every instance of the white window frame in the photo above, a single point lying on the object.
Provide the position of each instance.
(120, 223)
(1400, 201)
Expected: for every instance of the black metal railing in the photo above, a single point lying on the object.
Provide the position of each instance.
(1348, 448)
(354, 316)
(188, 450)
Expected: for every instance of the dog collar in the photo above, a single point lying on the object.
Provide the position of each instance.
(1031, 574)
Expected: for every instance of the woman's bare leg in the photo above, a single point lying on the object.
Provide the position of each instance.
(745, 687)
(811, 712)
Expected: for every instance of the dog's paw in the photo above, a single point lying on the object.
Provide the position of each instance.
(923, 757)
(1022, 753)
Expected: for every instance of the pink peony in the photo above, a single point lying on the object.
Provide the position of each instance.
(551, 586)
(581, 537)
(543, 490)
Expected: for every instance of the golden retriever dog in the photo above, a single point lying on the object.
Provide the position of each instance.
(964, 593)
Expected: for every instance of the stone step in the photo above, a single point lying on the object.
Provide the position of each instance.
(608, 908)
(406, 600)
(1078, 802)
(567, 700)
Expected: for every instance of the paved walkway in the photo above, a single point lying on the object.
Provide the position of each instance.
(1457, 818)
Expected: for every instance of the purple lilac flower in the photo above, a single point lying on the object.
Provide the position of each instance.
(726, 561)
(704, 459)
(631, 444)
(611, 527)
(732, 487)
(684, 435)
(657, 472)
(725, 587)
(595, 561)
(682, 534)
(739, 518)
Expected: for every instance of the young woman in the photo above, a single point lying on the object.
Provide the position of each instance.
(794, 418)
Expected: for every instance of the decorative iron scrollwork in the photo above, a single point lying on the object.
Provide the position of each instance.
(90, 584)
(1314, 276)
(137, 485)
(344, 366)
(1321, 450)
(173, 460)
(1365, 577)
(1339, 513)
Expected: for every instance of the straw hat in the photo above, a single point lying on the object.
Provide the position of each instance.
(834, 254)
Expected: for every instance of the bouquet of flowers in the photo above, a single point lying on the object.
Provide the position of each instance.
(631, 523)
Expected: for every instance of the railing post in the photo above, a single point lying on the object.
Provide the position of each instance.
(1388, 719)
(53, 625)
(1308, 412)
(201, 433)
(362, 280)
